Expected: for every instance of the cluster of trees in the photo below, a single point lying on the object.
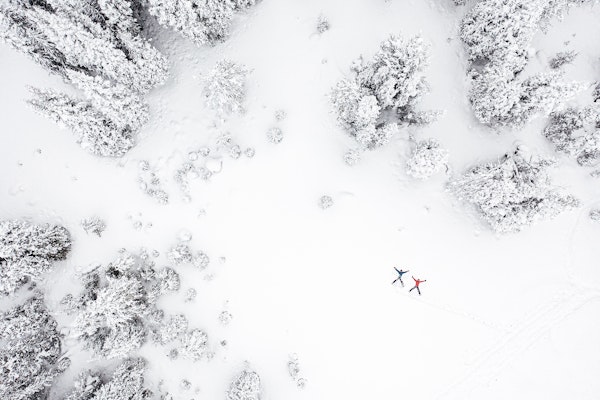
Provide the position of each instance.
(497, 34)
(513, 192)
(384, 92)
(100, 48)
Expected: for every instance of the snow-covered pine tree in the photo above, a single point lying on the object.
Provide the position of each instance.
(105, 122)
(513, 192)
(225, 87)
(28, 250)
(126, 382)
(497, 34)
(203, 21)
(30, 351)
(98, 38)
(576, 132)
(383, 92)
(97, 46)
(112, 309)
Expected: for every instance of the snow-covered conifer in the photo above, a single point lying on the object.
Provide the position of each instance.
(97, 46)
(245, 386)
(112, 309)
(577, 133)
(28, 250)
(170, 329)
(427, 159)
(203, 21)
(193, 345)
(384, 92)
(513, 192)
(225, 87)
(126, 382)
(30, 351)
(497, 34)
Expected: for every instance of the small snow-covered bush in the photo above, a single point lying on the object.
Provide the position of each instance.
(30, 351)
(384, 92)
(246, 386)
(225, 87)
(193, 345)
(427, 159)
(577, 133)
(126, 382)
(203, 21)
(28, 250)
(513, 192)
(170, 329)
(562, 58)
(93, 225)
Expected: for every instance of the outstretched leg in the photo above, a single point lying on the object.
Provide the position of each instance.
(396, 280)
(413, 288)
(401, 282)
(419, 290)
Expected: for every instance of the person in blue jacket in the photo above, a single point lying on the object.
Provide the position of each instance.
(399, 278)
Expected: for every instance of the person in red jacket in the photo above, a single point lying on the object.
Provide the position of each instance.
(417, 283)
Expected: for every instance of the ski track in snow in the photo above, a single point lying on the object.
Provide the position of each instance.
(539, 321)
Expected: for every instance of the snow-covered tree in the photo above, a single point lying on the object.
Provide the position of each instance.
(225, 87)
(497, 34)
(245, 386)
(513, 192)
(203, 21)
(170, 329)
(112, 309)
(126, 382)
(498, 99)
(30, 351)
(97, 46)
(576, 132)
(98, 38)
(384, 92)
(28, 250)
(426, 159)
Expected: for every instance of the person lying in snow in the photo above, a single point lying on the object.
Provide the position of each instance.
(417, 283)
(399, 278)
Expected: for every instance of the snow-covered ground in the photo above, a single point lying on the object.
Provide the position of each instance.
(514, 316)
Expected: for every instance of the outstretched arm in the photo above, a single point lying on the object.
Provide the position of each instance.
(396, 270)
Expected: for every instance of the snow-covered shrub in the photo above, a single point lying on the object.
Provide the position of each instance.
(497, 34)
(383, 92)
(193, 345)
(180, 254)
(170, 329)
(113, 307)
(577, 133)
(513, 192)
(246, 386)
(225, 87)
(275, 135)
(203, 21)
(97, 46)
(30, 351)
(325, 202)
(427, 159)
(595, 215)
(93, 225)
(28, 250)
(126, 382)
(596, 93)
(323, 24)
(562, 58)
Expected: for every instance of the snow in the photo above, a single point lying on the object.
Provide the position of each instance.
(512, 316)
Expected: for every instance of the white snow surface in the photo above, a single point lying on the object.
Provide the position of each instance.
(514, 316)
